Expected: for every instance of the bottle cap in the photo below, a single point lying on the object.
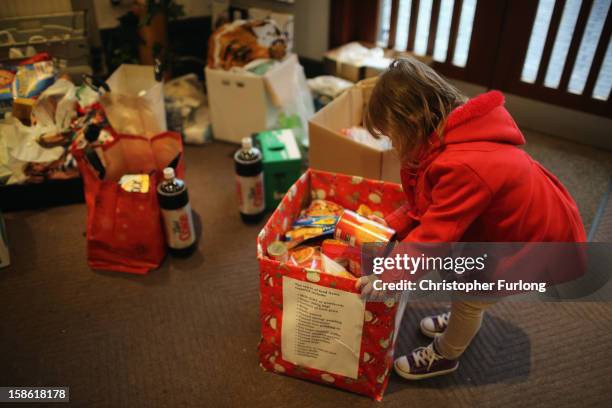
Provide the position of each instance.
(247, 143)
(92, 132)
(168, 173)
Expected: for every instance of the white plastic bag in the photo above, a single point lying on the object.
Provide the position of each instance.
(19, 145)
(135, 103)
(56, 106)
(329, 85)
(288, 90)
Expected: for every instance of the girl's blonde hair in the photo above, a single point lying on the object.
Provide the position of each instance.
(409, 102)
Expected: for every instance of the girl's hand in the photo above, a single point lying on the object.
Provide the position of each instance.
(365, 285)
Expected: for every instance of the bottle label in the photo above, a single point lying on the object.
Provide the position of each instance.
(250, 191)
(178, 225)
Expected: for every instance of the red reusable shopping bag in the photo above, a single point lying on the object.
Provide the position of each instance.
(298, 336)
(124, 229)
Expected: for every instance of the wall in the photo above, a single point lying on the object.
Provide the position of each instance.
(107, 14)
(311, 16)
(16, 8)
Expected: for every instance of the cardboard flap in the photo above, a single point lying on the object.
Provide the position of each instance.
(227, 91)
(366, 86)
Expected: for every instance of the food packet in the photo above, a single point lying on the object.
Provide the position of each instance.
(309, 226)
(306, 256)
(317, 220)
(135, 183)
(33, 76)
(334, 268)
(7, 75)
(323, 208)
(298, 235)
(342, 253)
(310, 257)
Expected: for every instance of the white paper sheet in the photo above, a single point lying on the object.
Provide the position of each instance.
(321, 327)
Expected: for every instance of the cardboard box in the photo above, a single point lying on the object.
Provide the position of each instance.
(242, 103)
(282, 163)
(366, 69)
(332, 151)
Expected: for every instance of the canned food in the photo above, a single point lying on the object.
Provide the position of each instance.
(356, 230)
(277, 250)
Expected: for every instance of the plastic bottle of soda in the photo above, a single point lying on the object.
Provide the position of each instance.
(176, 214)
(249, 182)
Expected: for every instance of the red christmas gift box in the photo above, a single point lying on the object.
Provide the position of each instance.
(314, 325)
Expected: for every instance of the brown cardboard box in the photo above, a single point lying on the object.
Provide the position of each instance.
(331, 151)
(356, 73)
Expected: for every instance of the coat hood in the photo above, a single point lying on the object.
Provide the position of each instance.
(482, 119)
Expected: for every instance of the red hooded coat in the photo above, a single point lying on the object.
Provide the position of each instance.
(478, 186)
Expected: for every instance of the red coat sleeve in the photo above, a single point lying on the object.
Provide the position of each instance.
(400, 221)
(458, 197)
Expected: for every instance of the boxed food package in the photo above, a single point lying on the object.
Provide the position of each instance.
(242, 102)
(331, 150)
(282, 163)
(314, 325)
(356, 61)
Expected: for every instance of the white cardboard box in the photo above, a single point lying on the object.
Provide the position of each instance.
(242, 103)
(331, 151)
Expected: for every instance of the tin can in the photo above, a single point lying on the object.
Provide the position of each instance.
(356, 230)
(277, 250)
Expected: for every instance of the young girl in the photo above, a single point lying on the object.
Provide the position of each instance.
(466, 179)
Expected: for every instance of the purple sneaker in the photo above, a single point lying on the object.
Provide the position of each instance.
(424, 362)
(432, 326)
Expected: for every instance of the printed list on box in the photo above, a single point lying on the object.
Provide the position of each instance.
(322, 327)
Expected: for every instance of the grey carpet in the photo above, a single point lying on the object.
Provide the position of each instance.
(186, 334)
(601, 228)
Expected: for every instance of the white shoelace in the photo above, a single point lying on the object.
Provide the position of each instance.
(425, 356)
(444, 318)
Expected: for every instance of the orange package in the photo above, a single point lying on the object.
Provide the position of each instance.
(306, 256)
(323, 207)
